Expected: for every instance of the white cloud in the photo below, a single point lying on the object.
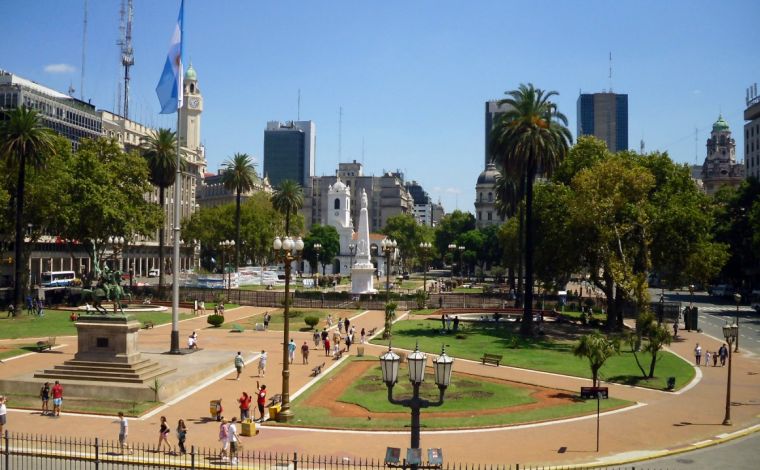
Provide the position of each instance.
(696, 92)
(59, 68)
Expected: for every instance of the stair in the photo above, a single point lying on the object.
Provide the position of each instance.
(140, 372)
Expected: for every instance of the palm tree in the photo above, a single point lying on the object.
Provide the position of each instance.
(288, 199)
(530, 137)
(160, 150)
(597, 348)
(509, 198)
(239, 176)
(23, 141)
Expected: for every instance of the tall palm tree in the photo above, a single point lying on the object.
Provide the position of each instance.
(510, 193)
(160, 150)
(288, 199)
(239, 176)
(529, 137)
(23, 141)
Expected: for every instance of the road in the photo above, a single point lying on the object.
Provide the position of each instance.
(714, 313)
(739, 454)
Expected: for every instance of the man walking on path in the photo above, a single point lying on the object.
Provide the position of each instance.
(305, 352)
(262, 363)
(234, 439)
(723, 353)
(698, 354)
(239, 363)
(57, 398)
(261, 399)
(123, 432)
(291, 350)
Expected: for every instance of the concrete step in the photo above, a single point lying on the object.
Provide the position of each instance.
(105, 368)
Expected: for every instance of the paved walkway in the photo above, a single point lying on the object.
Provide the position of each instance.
(662, 421)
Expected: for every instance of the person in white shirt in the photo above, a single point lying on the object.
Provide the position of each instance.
(3, 414)
(123, 431)
(233, 437)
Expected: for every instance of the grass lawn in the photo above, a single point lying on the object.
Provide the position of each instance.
(86, 405)
(465, 394)
(468, 290)
(537, 354)
(296, 319)
(57, 323)
(409, 284)
(577, 315)
(424, 311)
(16, 350)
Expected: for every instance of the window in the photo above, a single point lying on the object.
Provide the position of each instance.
(490, 215)
(480, 215)
(336, 204)
(490, 199)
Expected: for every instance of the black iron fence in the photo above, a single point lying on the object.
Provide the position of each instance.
(38, 452)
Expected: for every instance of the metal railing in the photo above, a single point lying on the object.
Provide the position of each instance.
(34, 451)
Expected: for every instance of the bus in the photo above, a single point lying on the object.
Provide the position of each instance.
(58, 278)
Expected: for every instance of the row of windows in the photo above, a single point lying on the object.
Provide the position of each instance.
(751, 131)
(489, 216)
(490, 197)
(8, 100)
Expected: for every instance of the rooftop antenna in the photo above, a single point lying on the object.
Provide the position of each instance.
(71, 90)
(610, 77)
(340, 134)
(125, 42)
(641, 146)
(362, 150)
(299, 105)
(696, 145)
(84, 53)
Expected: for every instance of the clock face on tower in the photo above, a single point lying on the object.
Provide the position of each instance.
(194, 102)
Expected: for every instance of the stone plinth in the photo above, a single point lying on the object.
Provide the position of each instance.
(362, 279)
(107, 338)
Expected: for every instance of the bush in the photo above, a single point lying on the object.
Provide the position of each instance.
(311, 320)
(215, 320)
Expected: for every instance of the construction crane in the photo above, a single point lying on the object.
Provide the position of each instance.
(125, 43)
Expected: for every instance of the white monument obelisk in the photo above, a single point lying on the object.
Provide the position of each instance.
(363, 270)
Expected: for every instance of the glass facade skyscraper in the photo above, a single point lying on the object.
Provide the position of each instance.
(605, 116)
(289, 152)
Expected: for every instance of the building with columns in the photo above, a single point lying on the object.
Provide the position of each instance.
(485, 198)
(720, 167)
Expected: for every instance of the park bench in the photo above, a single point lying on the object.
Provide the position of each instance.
(491, 359)
(372, 332)
(148, 324)
(339, 354)
(236, 328)
(275, 399)
(318, 370)
(46, 344)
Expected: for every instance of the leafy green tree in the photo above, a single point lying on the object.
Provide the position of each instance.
(450, 228)
(555, 239)
(409, 234)
(24, 142)
(288, 199)
(328, 237)
(587, 152)
(529, 137)
(160, 150)
(737, 221)
(649, 336)
(240, 176)
(510, 201)
(597, 348)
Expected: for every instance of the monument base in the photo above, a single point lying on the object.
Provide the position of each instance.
(362, 280)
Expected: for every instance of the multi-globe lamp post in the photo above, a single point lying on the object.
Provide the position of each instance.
(225, 245)
(389, 364)
(424, 252)
(453, 248)
(389, 249)
(286, 250)
(317, 250)
(731, 334)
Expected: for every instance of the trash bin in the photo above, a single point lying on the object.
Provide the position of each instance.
(694, 318)
(213, 405)
(671, 383)
(248, 428)
(274, 410)
(360, 351)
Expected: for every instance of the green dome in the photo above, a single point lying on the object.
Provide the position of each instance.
(720, 125)
(190, 74)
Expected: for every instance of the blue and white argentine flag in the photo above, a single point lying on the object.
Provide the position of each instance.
(169, 89)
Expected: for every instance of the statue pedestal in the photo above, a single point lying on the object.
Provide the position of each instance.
(362, 279)
(107, 338)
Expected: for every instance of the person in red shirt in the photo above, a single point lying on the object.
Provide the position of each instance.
(57, 393)
(261, 399)
(245, 406)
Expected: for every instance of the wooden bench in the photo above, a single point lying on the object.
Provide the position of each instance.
(275, 399)
(48, 344)
(372, 332)
(491, 359)
(148, 324)
(237, 328)
(318, 370)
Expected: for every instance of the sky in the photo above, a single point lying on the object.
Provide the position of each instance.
(411, 77)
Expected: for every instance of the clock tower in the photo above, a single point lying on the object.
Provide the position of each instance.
(192, 106)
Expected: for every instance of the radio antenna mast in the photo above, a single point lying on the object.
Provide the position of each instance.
(610, 77)
(125, 43)
(84, 53)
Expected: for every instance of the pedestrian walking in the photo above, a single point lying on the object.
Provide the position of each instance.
(326, 343)
(45, 397)
(348, 342)
(723, 352)
(708, 355)
(202, 307)
(363, 336)
(443, 321)
(123, 432)
(346, 324)
(291, 350)
(340, 325)
(261, 399)
(698, 354)
(456, 323)
(329, 321)
(305, 353)
(195, 307)
(448, 322)
(224, 432)
(239, 364)
(219, 409)
(245, 406)
(181, 436)
(675, 328)
(234, 439)
(57, 393)
(3, 414)
(316, 337)
(262, 363)
(163, 435)
(715, 358)
(267, 317)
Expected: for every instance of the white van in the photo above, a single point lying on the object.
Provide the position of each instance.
(154, 272)
(57, 278)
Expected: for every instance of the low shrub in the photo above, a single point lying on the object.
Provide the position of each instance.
(311, 320)
(215, 320)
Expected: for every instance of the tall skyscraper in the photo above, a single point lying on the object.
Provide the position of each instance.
(289, 151)
(493, 111)
(605, 116)
(752, 132)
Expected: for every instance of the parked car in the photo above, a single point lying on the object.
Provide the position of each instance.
(722, 290)
(154, 272)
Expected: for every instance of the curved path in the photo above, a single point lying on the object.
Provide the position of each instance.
(662, 422)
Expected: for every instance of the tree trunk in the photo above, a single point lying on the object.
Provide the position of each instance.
(161, 241)
(237, 231)
(608, 294)
(520, 245)
(18, 291)
(652, 364)
(618, 309)
(595, 376)
(526, 326)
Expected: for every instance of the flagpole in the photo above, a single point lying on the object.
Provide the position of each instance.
(175, 263)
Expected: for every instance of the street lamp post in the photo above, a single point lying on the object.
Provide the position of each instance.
(738, 300)
(424, 250)
(389, 247)
(389, 363)
(731, 333)
(461, 265)
(691, 295)
(317, 250)
(286, 250)
(224, 246)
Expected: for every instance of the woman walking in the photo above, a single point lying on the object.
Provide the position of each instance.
(163, 435)
(181, 436)
(224, 433)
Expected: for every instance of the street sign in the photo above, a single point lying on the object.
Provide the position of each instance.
(392, 455)
(594, 392)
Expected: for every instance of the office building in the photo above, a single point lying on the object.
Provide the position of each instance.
(605, 116)
(289, 151)
(423, 205)
(494, 110)
(752, 133)
(720, 167)
(212, 192)
(485, 198)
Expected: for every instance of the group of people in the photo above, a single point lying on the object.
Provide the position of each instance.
(192, 341)
(332, 346)
(239, 363)
(56, 392)
(447, 322)
(720, 355)
(199, 307)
